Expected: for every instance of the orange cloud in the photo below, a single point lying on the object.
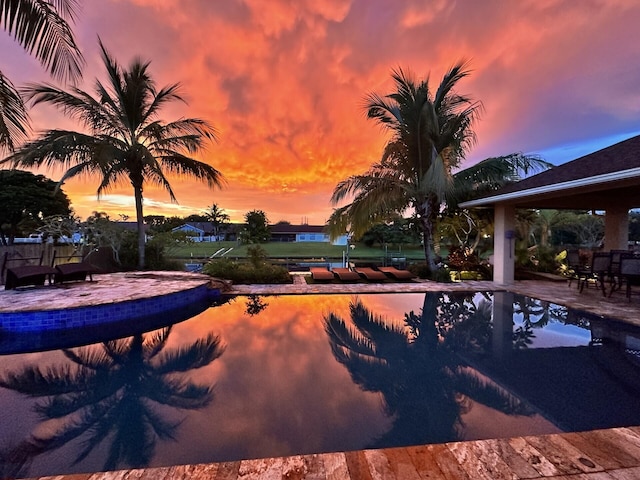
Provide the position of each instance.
(284, 82)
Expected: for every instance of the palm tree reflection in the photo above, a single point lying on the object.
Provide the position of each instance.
(425, 385)
(112, 393)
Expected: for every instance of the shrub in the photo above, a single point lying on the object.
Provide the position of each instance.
(441, 274)
(252, 272)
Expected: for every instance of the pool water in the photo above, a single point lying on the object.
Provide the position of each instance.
(283, 375)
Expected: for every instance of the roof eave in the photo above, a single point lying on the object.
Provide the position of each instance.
(512, 197)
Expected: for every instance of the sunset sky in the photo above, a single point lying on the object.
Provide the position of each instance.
(284, 82)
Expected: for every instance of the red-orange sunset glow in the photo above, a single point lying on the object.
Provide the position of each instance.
(284, 82)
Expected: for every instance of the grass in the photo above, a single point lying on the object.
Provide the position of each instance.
(301, 250)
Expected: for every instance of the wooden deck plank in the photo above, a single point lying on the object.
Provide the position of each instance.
(425, 463)
(335, 466)
(262, 468)
(630, 451)
(307, 467)
(448, 463)
(358, 465)
(577, 457)
(533, 457)
(160, 473)
(400, 464)
(626, 474)
(563, 462)
(203, 471)
(600, 450)
(469, 458)
(502, 449)
(228, 471)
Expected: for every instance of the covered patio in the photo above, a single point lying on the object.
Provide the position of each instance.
(606, 180)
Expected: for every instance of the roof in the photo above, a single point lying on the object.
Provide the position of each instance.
(288, 228)
(601, 179)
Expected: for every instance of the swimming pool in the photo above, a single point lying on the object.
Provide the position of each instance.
(282, 375)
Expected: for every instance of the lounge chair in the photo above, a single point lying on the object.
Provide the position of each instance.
(73, 272)
(28, 275)
(371, 274)
(320, 274)
(346, 275)
(397, 274)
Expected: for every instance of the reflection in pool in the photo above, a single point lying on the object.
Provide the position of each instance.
(271, 376)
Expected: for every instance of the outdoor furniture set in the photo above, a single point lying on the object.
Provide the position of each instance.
(35, 275)
(614, 269)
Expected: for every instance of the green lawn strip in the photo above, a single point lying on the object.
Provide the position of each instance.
(293, 250)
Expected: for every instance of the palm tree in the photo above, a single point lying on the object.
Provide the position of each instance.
(218, 217)
(431, 134)
(425, 386)
(41, 27)
(113, 393)
(127, 143)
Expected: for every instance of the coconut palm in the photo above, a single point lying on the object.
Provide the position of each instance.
(111, 395)
(431, 133)
(127, 141)
(41, 27)
(424, 384)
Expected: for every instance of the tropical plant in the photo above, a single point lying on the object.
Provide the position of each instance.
(113, 394)
(41, 27)
(128, 143)
(431, 134)
(425, 386)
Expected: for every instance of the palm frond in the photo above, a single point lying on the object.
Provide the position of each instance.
(40, 28)
(14, 120)
(199, 354)
(469, 383)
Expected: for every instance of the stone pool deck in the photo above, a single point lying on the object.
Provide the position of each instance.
(595, 455)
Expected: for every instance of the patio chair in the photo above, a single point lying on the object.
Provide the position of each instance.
(397, 274)
(630, 271)
(598, 272)
(371, 274)
(73, 272)
(614, 272)
(28, 275)
(578, 269)
(346, 275)
(321, 274)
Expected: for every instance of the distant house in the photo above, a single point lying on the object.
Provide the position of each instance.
(205, 231)
(284, 232)
(280, 232)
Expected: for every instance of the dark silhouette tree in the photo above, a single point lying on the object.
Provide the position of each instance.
(110, 394)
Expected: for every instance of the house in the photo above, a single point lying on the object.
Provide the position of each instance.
(285, 232)
(280, 232)
(206, 231)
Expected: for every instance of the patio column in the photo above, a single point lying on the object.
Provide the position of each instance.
(504, 244)
(616, 228)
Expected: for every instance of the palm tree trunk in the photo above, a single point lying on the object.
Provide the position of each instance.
(137, 191)
(426, 225)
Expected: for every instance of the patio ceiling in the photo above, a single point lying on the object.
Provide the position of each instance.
(600, 180)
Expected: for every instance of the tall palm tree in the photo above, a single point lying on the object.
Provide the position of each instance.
(41, 28)
(218, 217)
(425, 386)
(431, 133)
(127, 141)
(112, 394)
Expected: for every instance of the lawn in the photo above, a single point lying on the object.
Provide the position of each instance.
(298, 250)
